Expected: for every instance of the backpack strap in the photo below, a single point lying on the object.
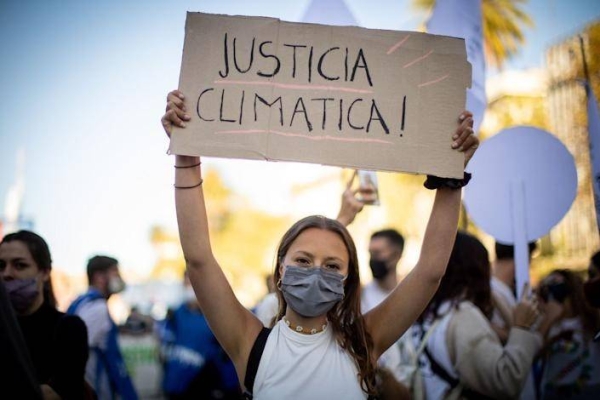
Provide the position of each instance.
(440, 371)
(423, 344)
(455, 384)
(254, 360)
(415, 379)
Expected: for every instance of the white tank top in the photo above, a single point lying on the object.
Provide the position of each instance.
(312, 367)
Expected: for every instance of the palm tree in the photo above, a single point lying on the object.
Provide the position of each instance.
(503, 21)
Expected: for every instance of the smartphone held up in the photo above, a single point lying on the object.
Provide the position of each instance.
(368, 191)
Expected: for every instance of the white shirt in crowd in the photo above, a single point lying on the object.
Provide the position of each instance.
(97, 320)
(372, 294)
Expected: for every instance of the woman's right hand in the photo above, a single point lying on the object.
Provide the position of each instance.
(175, 114)
(526, 312)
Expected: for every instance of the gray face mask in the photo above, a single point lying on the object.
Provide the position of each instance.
(311, 291)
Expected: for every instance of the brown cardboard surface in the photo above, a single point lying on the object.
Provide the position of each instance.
(261, 88)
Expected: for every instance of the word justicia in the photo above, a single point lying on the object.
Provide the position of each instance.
(295, 61)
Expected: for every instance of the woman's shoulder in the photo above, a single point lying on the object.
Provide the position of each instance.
(468, 317)
(71, 325)
(466, 327)
(467, 308)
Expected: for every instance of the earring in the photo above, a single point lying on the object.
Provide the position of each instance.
(279, 284)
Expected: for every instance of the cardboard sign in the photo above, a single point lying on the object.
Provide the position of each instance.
(260, 88)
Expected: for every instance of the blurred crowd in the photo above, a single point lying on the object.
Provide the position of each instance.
(476, 338)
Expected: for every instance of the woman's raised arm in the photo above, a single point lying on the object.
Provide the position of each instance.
(234, 326)
(388, 321)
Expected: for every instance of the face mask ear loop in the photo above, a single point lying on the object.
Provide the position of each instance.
(281, 268)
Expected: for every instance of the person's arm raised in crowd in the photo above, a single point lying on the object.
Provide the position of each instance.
(350, 205)
(388, 321)
(234, 326)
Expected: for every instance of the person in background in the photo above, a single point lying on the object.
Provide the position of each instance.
(195, 365)
(105, 370)
(503, 284)
(385, 248)
(137, 323)
(570, 359)
(591, 287)
(463, 356)
(56, 343)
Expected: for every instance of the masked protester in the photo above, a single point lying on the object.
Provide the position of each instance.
(461, 355)
(592, 286)
(592, 291)
(385, 249)
(57, 343)
(322, 346)
(105, 370)
(570, 360)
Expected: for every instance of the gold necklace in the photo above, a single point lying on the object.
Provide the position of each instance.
(300, 329)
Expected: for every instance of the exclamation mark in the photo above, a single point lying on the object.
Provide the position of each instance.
(403, 114)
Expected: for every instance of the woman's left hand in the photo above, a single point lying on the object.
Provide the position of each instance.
(464, 139)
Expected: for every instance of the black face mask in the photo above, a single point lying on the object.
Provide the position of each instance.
(379, 268)
(555, 291)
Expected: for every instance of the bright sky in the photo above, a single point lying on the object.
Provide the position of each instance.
(84, 85)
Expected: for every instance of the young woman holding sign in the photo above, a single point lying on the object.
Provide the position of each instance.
(322, 347)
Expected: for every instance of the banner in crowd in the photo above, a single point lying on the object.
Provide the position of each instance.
(261, 88)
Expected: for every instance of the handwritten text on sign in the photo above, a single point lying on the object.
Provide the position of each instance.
(260, 88)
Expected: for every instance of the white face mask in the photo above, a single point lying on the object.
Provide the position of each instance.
(116, 285)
